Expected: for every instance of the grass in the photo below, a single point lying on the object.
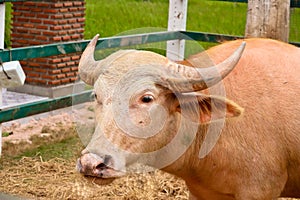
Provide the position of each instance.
(8, 10)
(64, 149)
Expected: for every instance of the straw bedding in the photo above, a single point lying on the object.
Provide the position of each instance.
(36, 178)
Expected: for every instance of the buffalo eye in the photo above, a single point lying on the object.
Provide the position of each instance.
(147, 99)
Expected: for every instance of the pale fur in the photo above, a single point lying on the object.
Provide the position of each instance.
(257, 156)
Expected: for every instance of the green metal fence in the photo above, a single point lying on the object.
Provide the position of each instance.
(24, 53)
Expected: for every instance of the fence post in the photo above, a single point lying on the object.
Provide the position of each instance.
(2, 29)
(176, 22)
(268, 19)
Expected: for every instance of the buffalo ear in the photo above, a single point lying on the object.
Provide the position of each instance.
(205, 109)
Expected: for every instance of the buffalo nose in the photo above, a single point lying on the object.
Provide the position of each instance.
(91, 164)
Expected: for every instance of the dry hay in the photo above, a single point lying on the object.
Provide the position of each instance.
(57, 179)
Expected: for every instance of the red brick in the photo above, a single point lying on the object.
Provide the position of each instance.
(41, 81)
(57, 39)
(70, 74)
(73, 9)
(64, 70)
(75, 57)
(62, 21)
(56, 28)
(81, 19)
(45, 76)
(17, 35)
(78, 14)
(41, 60)
(17, 24)
(68, 4)
(35, 20)
(20, 30)
(56, 60)
(30, 80)
(61, 76)
(35, 42)
(21, 41)
(71, 31)
(63, 10)
(66, 37)
(81, 8)
(77, 36)
(66, 59)
(44, 16)
(60, 65)
(54, 82)
(71, 21)
(34, 31)
(62, 32)
(50, 10)
(68, 15)
(20, 19)
(57, 71)
(41, 70)
(81, 30)
(57, 16)
(25, 68)
(36, 9)
(28, 36)
(41, 4)
(57, 5)
(41, 37)
(32, 74)
(28, 25)
(29, 3)
(17, 3)
(44, 27)
(52, 22)
(76, 25)
(67, 26)
(33, 64)
(16, 13)
(73, 79)
(67, 80)
(23, 8)
(29, 14)
(49, 33)
(78, 3)
(74, 68)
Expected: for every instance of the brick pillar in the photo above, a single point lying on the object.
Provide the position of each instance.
(44, 22)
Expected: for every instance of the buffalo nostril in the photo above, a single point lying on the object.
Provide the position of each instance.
(101, 166)
(107, 162)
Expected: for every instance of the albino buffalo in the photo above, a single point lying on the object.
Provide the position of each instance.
(230, 130)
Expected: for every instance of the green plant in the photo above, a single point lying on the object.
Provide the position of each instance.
(8, 16)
